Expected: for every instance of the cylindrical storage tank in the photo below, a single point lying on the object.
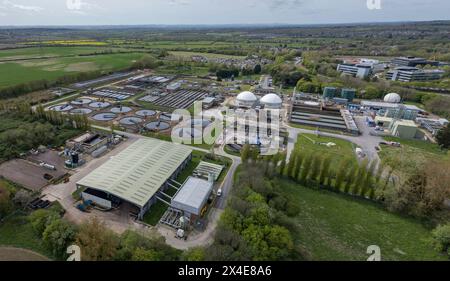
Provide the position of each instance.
(329, 92)
(75, 158)
(348, 94)
(99, 152)
(272, 101)
(246, 99)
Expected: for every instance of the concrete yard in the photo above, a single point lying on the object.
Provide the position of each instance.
(29, 174)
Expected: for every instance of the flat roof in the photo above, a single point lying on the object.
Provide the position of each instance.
(382, 104)
(139, 171)
(206, 168)
(193, 195)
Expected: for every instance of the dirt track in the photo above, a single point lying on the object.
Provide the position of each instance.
(18, 254)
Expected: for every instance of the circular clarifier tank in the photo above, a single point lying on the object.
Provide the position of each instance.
(99, 104)
(157, 126)
(130, 121)
(166, 116)
(61, 107)
(83, 101)
(104, 116)
(200, 122)
(187, 133)
(81, 111)
(146, 113)
(121, 109)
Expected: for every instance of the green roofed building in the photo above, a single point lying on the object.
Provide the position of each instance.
(136, 174)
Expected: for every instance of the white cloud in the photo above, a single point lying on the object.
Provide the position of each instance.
(8, 5)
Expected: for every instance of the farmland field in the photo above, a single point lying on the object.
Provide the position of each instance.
(52, 68)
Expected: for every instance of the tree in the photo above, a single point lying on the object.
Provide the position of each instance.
(292, 163)
(141, 254)
(423, 193)
(257, 69)
(443, 137)
(97, 242)
(306, 168)
(282, 166)
(40, 219)
(5, 202)
(315, 167)
(245, 153)
(22, 198)
(194, 254)
(58, 236)
(441, 238)
(325, 170)
(341, 173)
(298, 165)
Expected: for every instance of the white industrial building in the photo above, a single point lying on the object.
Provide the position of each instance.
(192, 197)
(136, 175)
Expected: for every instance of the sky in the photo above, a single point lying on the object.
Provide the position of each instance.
(217, 12)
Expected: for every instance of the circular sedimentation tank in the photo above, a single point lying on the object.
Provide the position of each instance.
(166, 116)
(130, 121)
(200, 122)
(99, 104)
(104, 117)
(83, 101)
(157, 126)
(61, 107)
(187, 133)
(145, 113)
(121, 109)
(81, 111)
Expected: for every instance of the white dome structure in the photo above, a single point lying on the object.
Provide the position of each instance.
(246, 99)
(271, 101)
(392, 98)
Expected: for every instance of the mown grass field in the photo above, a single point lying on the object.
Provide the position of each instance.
(337, 227)
(316, 144)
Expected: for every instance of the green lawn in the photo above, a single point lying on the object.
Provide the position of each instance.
(342, 149)
(338, 227)
(17, 232)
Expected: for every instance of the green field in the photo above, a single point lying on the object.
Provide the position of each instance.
(315, 144)
(22, 71)
(411, 154)
(338, 227)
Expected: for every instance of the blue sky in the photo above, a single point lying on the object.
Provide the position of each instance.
(171, 12)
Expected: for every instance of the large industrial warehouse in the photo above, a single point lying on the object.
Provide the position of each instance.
(136, 174)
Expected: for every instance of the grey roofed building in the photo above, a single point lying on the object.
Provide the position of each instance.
(136, 174)
(192, 196)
